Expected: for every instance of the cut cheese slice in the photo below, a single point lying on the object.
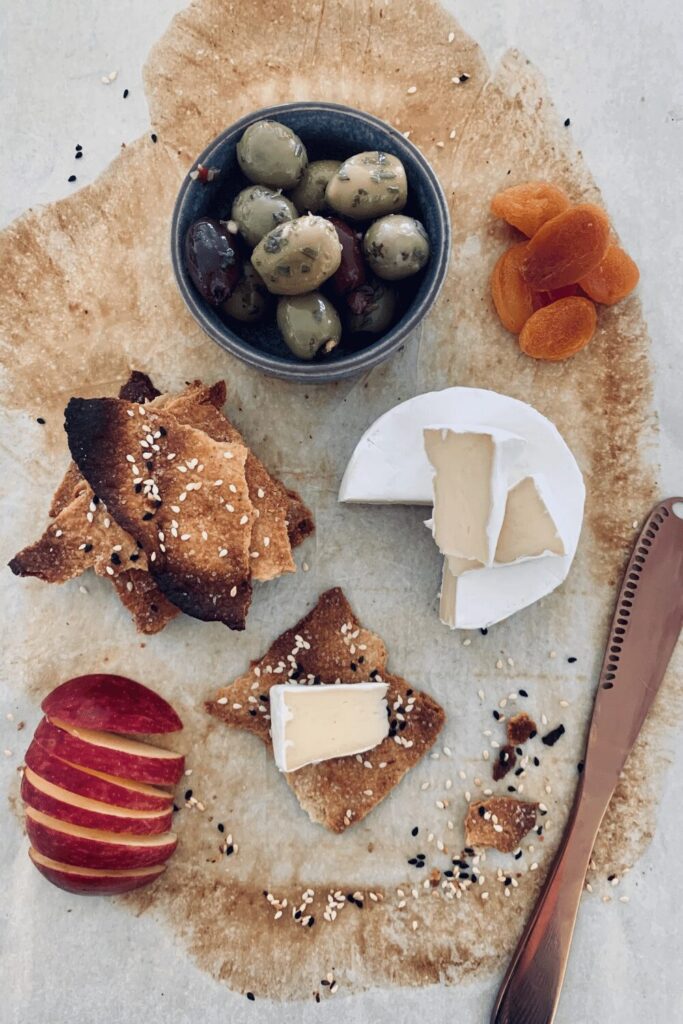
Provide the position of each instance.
(473, 469)
(315, 723)
(528, 529)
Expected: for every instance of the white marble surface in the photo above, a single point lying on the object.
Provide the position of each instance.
(616, 69)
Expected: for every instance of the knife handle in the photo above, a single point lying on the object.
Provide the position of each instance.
(531, 988)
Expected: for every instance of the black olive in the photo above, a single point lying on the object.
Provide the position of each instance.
(351, 273)
(213, 262)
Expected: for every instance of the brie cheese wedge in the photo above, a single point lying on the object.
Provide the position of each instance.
(546, 494)
(472, 472)
(315, 723)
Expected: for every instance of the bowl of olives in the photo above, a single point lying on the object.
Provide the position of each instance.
(310, 239)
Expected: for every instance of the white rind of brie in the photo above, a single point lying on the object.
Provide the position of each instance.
(390, 465)
(310, 724)
(474, 468)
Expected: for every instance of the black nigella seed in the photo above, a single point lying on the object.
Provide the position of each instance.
(116, 558)
(522, 693)
(409, 693)
(252, 713)
(579, 767)
(153, 137)
(134, 558)
(87, 547)
(125, 94)
(229, 850)
(448, 873)
(78, 155)
(188, 794)
(483, 631)
(536, 762)
(511, 789)
(72, 177)
(496, 715)
(551, 738)
(162, 431)
(354, 666)
(414, 831)
(220, 826)
(519, 751)
(482, 812)
(508, 881)
(95, 500)
(572, 660)
(469, 851)
(138, 488)
(567, 122)
(147, 516)
(175, 808)
(39, 419)
(518, 854)
(251, 997)
(78, 147)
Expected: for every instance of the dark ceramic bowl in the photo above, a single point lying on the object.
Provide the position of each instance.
(327, 130)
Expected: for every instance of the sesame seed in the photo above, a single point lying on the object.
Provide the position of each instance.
(411, 90)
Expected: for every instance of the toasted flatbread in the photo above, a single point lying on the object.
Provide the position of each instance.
(329, 645)
(181, 494)
(139, 594)
(501, 822)
(271, 549)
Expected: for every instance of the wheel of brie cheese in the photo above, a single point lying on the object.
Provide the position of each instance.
(507, 493)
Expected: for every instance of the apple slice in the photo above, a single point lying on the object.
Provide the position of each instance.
(111, 703)
(96, 785)
(60, 803)
(106, 752)
(94, 881)
(94, 848)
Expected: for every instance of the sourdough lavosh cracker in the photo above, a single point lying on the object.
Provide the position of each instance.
(85, 534)
(501, 822)
(181, 494)
(329, 645)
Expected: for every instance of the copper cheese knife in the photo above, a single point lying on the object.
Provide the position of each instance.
(647, 622)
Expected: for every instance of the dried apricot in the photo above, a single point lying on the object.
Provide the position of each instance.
(560, 330)
(530, 205)
(613, 278)
(512, 296)
(566, 248)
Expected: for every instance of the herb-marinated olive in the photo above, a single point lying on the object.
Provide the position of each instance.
(250, 300)
(298, 256)
(308, 323)
(309, 195)
(212, 260)
(351, 272)
(368, 185)
(396, 247)
(372, 308)
(257, 210)
(269, 153)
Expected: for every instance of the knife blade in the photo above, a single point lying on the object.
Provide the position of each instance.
(646, 626)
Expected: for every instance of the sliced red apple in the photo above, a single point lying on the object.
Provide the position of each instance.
(94, 881)
(95, 785)
(95, 848)
(60, 803)
(111, 703)
(106, 752)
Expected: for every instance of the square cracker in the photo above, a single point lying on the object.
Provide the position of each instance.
(182, 495)
(329, 645)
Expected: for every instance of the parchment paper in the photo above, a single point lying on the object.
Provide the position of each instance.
(107, 302)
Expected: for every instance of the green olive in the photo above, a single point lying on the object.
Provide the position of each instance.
(396, 247)
(368, 185)
(309, 195)
(308, 323)
(250, 299)
(257, 210)
(298, 256)
(271, 154)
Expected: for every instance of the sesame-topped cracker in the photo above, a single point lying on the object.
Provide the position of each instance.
(84, 535)
(70, 487)
(501, 822)
(139, 594)
(327, 646)
(158, 478)
(271, 547)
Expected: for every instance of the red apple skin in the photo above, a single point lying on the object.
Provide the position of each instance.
(112, 704)
(108, 883)
(161, 771)
(81, 851)
(56, 808)
(59, 773)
